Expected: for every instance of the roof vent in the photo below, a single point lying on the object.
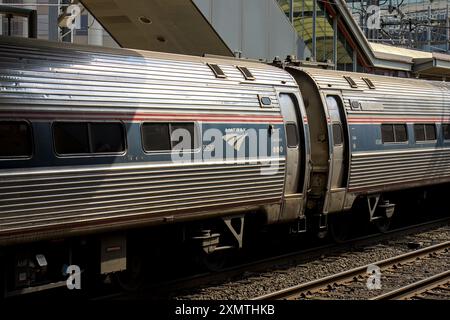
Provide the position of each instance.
(351, 82)
(246, 73)
(369, 83)
(217, 71)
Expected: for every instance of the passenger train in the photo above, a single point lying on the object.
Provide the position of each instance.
(92, 172)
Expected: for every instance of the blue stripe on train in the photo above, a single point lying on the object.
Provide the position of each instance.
(44, 155)
(367, 137)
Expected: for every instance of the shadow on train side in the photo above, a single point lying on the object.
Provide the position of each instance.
(99, 174)
(90, 158)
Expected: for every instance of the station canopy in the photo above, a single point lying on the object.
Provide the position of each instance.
(431, 65)
(175, 26)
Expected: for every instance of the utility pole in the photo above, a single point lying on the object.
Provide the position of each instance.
(65, 33)
(447, 31)
(410, 34)
(314, 18)
(429, 28)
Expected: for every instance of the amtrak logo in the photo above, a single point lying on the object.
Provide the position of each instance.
(235, 139)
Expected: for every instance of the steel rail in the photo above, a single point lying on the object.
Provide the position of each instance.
(315, 285)
(416, 288)
(208, 278)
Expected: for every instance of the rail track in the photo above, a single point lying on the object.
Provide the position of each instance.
(172, 288)
(420, 289)
(179, 286)
(314, 289)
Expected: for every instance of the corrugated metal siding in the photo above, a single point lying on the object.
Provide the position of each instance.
(56, 78)
(399, 96)
(39, 76)
(36, 199)
(381, 169)
(402, 100)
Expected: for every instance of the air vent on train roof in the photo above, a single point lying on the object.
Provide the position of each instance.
(351, 82)
(217, 71)
(246, 73)
(369, 83)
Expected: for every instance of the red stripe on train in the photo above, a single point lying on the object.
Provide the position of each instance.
(143, 116)
(397, 120)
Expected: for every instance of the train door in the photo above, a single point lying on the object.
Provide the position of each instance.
(293, 199)
(338, 176)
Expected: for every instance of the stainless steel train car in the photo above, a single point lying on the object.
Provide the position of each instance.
(98, 145)
(372, 135)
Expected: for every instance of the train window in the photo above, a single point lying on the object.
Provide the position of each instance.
(419, 132)
(394, 133)
(430, 131)
(337, 134)
(292, 135)
(387, 133)
(167, 136)
(15, 139)
(156, 136)
(216, 70)
(446, 131)
(71, 137)
(401, 134)
(107, 137)
(425, 132)
(182, 132)
(85, 137)
(246, 73)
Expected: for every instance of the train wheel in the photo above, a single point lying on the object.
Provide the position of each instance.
(340, 227)
(133, 278)
(215, 261)
(382, 225)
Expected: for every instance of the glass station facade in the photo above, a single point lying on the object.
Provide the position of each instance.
(324, 39)
(416, 24)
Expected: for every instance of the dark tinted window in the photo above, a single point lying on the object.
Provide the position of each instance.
(419, 132)
(430, 132)
(424, 132)
(183, 132)
(84, 137)
(394, 133)
(387, 133)
(400, 133)
(15, 139)
(156, 137)
(337, 134)
(446, 131)
(292, 135)
(107, 137)
(166, 136)
(71, 137)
